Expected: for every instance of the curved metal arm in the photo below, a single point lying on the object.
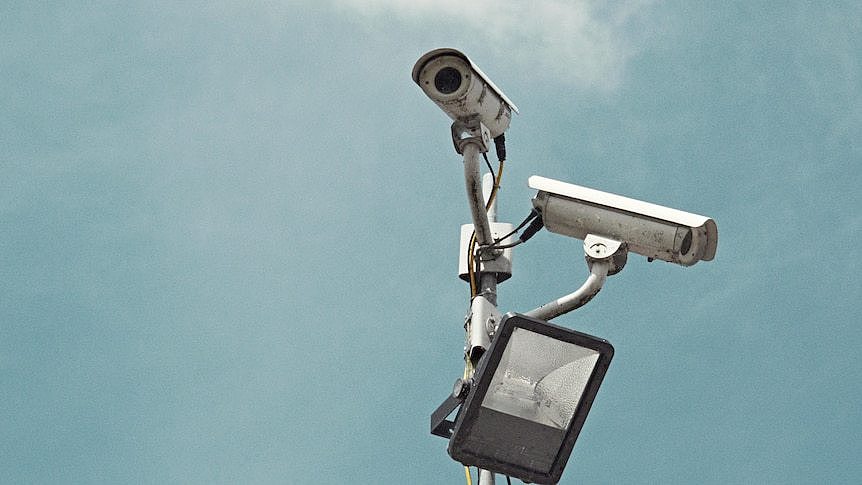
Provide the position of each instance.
(573, 301)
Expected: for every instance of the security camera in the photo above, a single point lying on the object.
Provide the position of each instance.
(462, 90)
(651, 230)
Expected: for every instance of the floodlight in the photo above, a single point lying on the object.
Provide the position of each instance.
(530, 396)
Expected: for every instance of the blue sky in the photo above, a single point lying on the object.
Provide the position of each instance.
(229, 235)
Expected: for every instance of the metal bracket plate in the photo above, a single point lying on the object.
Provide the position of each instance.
(440, 426)
(470, 131)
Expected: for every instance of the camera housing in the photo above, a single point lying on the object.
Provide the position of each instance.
(651, 230)
(462, 90)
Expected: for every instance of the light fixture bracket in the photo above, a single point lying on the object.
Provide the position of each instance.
(440, 426)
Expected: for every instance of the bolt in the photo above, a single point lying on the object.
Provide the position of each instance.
(598, 249)
(461, 388)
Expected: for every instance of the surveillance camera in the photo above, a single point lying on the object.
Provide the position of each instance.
(462, 90)
(652, 230)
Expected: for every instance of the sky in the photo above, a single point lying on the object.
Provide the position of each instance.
(229, 235)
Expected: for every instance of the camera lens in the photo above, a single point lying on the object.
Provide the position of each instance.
(447, 80)
(686, 243)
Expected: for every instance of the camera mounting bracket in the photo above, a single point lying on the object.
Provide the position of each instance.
(470, 130)
(604, 257)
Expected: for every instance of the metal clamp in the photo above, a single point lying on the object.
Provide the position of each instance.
(484, 318)
(597, 248)
(470, 130)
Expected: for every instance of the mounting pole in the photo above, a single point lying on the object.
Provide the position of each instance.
(486, 317)
(471, 137)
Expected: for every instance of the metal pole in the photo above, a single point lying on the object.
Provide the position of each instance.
(488, 281)
(486, 477)
(474, 193)
(478, 193)
(488, 288)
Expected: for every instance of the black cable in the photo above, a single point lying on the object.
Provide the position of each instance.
(500, 146)
(533, 215)
(490, 168)
(534, 227)
(504, 246)
(472, 278)
(508, 480)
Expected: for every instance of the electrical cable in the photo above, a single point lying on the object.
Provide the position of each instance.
(468, 369)
(496, 245)
(471, 248)
(469, 478)
(533, 214)
(508, 480)
(500, 148)
(488, 164)
(496, 186)
(503, 246)
(471, 272)
(534, 227)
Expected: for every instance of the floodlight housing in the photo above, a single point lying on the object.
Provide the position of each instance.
(529, 399)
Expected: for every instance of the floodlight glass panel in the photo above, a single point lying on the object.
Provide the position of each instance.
(540, 379)
(530, 398)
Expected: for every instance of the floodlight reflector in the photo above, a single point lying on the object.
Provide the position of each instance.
(540, 379)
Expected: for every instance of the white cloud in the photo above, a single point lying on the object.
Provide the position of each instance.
(581, 42)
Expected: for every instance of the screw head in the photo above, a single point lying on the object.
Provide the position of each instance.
(598, 250)
(461, 388)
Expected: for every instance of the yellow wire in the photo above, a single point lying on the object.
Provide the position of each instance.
(471, 263)
(469, 478)
(471, 270)
(468, 368)
(496, 185)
